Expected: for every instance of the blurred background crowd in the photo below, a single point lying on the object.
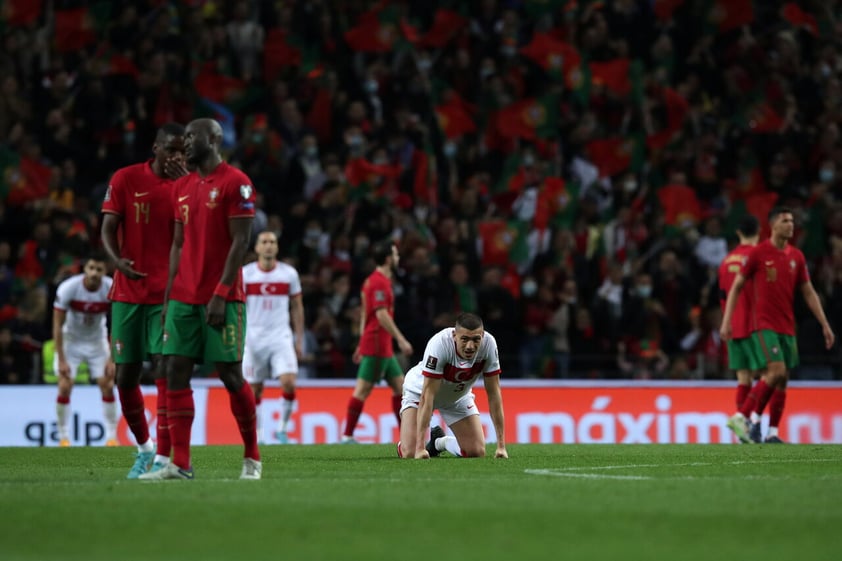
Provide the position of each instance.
(572, 170)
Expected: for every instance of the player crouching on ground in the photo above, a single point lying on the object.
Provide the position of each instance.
(453, 360)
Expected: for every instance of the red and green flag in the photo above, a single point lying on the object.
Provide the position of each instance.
(727, 15)
(381, 30)
(798, 18)
(558, 59)
(446, 25)
(503, 242)
(680, 205)
(77, 28)
(23, 179)
(616, 154)
(19, 13)
(677, 109)
(531, 119)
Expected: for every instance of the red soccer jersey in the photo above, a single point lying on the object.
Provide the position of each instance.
(204, 205)
(775, 273)
(377, 291)
(144, 202)
(728, 269)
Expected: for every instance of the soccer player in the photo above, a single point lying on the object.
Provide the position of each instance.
(273, 301)
(204, 306)
(776, 269)
(375, 354)
(741, 357)
(453, 360)
(80, 335)
(137, 230)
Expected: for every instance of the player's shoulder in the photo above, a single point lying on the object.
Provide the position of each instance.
(234, 176)
(286, 269)
(130, 172)
(250, 267)
(70, 283)
(489, 340)
(442, 342)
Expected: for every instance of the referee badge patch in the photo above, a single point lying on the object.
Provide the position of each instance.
(431, 363)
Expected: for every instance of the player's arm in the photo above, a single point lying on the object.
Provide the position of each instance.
(425, 414)
(733, 294)
(239, 229)
(815, 305)
(110, 225)
(175, 258)
(296, 316)
(495, 409)
(387, 322)
(59, 316)
(357, 356)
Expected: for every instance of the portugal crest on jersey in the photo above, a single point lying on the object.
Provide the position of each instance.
(245, 191)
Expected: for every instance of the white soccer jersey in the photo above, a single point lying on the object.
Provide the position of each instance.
(267, 301)
(85, 321)
(441, 361)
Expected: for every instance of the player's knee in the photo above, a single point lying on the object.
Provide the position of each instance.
(473, 451)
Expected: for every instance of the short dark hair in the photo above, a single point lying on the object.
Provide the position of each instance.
(95, 255)
(748, 226)
(169, 129)
(469, 321)
(381, 251)
(777, 211)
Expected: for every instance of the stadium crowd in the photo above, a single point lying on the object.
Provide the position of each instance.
(572, 171)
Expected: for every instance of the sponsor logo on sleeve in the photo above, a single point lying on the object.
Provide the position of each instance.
(108, 193)
(431, 363)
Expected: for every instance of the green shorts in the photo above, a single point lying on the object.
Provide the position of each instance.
(186, 333)
(743, 356)
(136, 332)
(375, 368)
(775, 347)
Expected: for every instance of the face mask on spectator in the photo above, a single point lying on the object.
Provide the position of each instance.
(528, 160)
(529, 288)
(311, 152)
(485, 72)
(371, 86)
(257, 137)
(449, 149)
(826, 175)
(644, 290)
(425, 64)
(312, 233)
(421, 213)
(630, 185)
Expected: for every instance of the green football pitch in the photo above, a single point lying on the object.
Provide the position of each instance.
(577, 502)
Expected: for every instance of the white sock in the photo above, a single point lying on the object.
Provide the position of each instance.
(773, 431)
(109, 411)
(259, 420)
(62, 413)
(450, 444)
(163, 460)
(286, 412)
(755, 418)
(147, 446)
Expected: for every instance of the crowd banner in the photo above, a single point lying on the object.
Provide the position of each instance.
(542, 412)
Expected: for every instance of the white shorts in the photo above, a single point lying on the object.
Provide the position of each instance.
(450, 413)
(264, 363)
(95, 355)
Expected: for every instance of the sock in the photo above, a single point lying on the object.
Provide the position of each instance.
(109, 411)
(62, 413)
(287, 404)
(742, 393)
(450, 444)
(258, 421)
(163, 423)
(773, 431)
(355, 408)
(163, 460)
(759, 394)
(776, 409)
(396, 407)
(147, 446)
(180, 413)
(131, 401)
(754, 417)
(242, 406)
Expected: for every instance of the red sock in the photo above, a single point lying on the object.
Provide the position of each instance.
(758, 395)
(131, 401)
(355, 408)
(180, 412)
(396, 407)
(163, 430)
(776, 407)
(64, 400)
(742, 394)
(109, 398)
(289, 396)
(242, 406)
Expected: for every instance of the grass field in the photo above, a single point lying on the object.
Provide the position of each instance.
(578, 502)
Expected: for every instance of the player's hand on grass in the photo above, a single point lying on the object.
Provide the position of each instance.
(829, 337)
(422, 454)
(216, 311)
(501, 453)
(126, 266)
